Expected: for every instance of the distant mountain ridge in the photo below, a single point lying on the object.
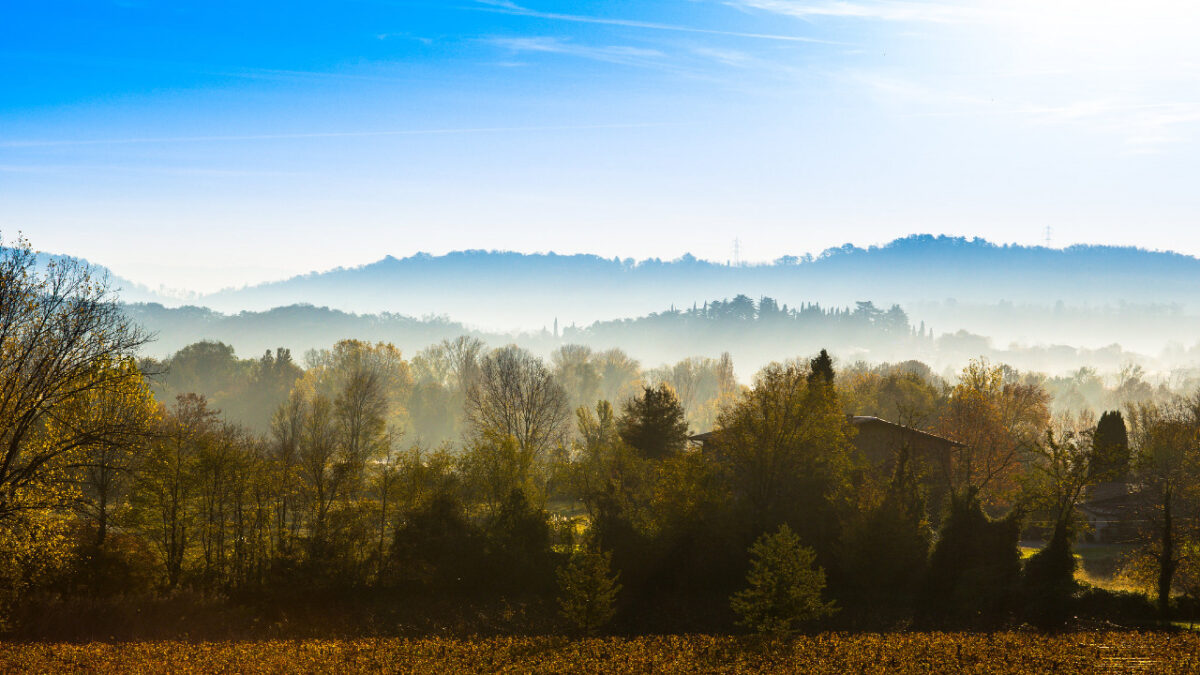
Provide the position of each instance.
(125, 289)
(949, 281)
(506, 290)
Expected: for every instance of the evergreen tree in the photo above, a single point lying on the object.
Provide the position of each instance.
(821, 368)
(783, 586)
(587, 591)
(654, 423)
(1111, 443)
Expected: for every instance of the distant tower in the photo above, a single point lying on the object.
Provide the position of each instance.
(1049, 232)
(737, 252)
(556, 326)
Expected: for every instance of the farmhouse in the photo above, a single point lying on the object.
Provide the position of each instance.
(1112, 510)
(879, 440)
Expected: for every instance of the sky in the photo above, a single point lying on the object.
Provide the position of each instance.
(202, 145)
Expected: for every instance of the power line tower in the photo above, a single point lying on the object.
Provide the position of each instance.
(1049, 233)
(737, 252)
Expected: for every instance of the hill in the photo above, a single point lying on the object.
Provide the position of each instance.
(507, 291)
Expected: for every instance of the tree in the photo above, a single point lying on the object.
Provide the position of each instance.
(63, 337)
(443, 372)
(888, 553)
(653, 423)
(287, 435)
(975, 565)
(103, 470)
(1111, 443)
(785, 447)
(575, 370)
(783, 585)
(320, 466)
(493, 468)
(167, 483)
(361, 411)
(821, 368)
(516, 395)
(1064, 464)
(618, 375)
(906, 393)
(436, 544)
(587, 591)
(1060, 469)
(998, 421)
(219, 467)
(519, 541)
(1167, 439)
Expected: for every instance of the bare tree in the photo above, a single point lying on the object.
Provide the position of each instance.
(620, 376)
(517, 396)
(318, 463)
(463, 353)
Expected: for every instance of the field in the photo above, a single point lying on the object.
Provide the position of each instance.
(1099, 564)
(1010, 652)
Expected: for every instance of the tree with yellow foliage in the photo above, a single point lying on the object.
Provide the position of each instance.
(66, 362)
(999, 419)
(103, 468)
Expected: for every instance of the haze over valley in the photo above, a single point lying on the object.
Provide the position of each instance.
(1050, 310)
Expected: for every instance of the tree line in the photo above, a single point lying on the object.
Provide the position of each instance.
(468, 472)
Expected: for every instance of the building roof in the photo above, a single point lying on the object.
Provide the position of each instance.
(858, 421)
(863, 420)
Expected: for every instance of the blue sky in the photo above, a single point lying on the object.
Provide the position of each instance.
(200, 145)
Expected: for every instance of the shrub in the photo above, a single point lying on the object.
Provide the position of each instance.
(1115, 606)
(437, 547)
(975, 566)
(519, 543)
(1049, 582)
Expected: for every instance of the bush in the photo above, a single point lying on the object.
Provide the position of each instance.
(1115, 606)
(1048, 583)
(122, 565)
(437, 546)
(519, 543)
(784, 588)
(975, 566)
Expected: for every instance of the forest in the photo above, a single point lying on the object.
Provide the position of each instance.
(473, 488)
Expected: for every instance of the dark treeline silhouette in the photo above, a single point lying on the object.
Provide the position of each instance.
(479, 489)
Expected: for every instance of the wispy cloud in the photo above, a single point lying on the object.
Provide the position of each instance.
(175, 67)
(885, 10)
(134, 168)
(505, 7)
(427, 41)
(32, 143)
(1143, 127)
(728, 57)
(609, 53)
(1146, 127)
